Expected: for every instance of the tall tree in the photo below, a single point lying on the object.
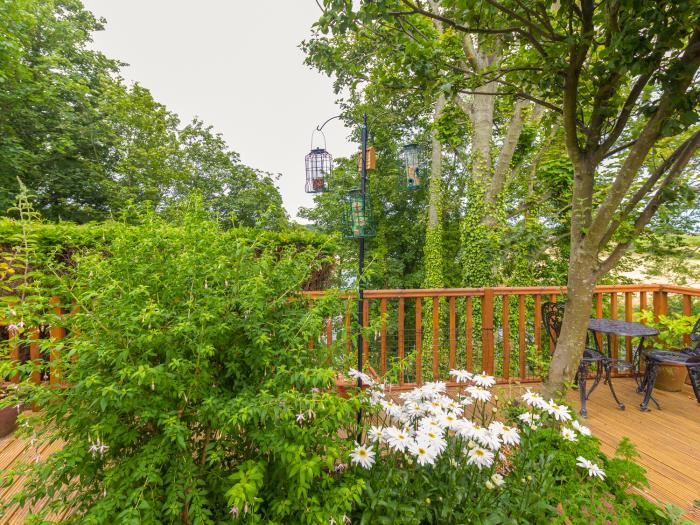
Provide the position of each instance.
(85, 144)
(411, 53)
(623, 76)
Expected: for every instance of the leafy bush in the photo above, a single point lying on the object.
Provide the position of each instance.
(193, 394)
(671, 328)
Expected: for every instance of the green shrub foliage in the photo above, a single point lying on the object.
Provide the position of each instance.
(193, 394)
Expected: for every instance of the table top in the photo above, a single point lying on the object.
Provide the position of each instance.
(623, 328)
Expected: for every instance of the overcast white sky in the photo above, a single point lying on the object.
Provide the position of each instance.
(236, 65)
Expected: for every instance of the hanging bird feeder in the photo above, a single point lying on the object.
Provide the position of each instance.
(371, 159)
(319, 165)
(357, 216)
(412, 173)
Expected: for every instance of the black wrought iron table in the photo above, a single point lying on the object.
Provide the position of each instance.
(620, 328)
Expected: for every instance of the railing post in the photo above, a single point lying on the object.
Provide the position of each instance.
(487, 331)
(660, 303)
(687, 311)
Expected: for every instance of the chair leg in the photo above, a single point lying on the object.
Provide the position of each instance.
(608, 380)
(581, 375)
(652, 368)
(694, 373)
(598, 376)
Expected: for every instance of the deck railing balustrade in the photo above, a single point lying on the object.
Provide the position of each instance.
(421, 334)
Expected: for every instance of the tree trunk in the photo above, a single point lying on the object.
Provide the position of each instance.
(571, 341)
(432, 250)
(435, 189)
(482, 120)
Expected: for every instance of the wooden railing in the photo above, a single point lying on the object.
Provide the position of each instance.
(419, 335)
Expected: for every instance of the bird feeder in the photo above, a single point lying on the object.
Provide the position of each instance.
(319, 165)
(412, 172)
(358, 221)
(371, 156)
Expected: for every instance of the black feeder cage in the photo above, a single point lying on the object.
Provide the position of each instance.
(412, 173)
(358, 222)
(319, 164)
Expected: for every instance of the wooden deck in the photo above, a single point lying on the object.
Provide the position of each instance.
(667, 439)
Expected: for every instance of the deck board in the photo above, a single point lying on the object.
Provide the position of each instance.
(668, 441)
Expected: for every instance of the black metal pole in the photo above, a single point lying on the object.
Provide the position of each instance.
(361, 258)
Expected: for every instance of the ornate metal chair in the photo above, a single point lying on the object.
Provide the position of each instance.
(552, 317)
(688, 357)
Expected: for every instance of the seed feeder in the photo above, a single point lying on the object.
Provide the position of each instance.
(412, 172)
(358, 222)
(319, 164)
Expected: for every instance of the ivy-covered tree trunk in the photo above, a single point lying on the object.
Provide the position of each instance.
(432, 250)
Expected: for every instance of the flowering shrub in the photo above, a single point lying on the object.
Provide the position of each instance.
(438, 458)
(192, 395)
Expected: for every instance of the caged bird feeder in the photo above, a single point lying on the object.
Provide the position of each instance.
(358, 222)
(319, 164)
(412, 172)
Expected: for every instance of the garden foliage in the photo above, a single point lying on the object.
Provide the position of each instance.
(187, 391)
(188, 373)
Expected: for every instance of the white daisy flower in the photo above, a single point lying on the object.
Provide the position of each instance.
(433, 388)
(454, 408)
(424, 454)
(433, 423)
(560, 412)
(480, 457)
(398, 439)
(593, 469)
(488, 438)
(391, 408)
(529, 417)
(478, 393)
(484, 380)
(466, 400)
(363, 456)
(449, 420)
(582, 429)
(568, 434)
(377, 434)
(496, 427)
(432, 439)
(534, 399)
(465, 428)
(461, 376)
(509, 435)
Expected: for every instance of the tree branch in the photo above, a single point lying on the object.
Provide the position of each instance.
(689, 147)
(646, 188)
(448, 21)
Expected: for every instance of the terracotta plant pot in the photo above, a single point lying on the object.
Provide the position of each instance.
(670, 378)
(8, 415)
(8, 421)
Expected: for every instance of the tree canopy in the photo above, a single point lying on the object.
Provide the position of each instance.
(86, 144)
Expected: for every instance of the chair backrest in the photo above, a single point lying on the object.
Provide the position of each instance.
(552, 316)
(695, 335)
